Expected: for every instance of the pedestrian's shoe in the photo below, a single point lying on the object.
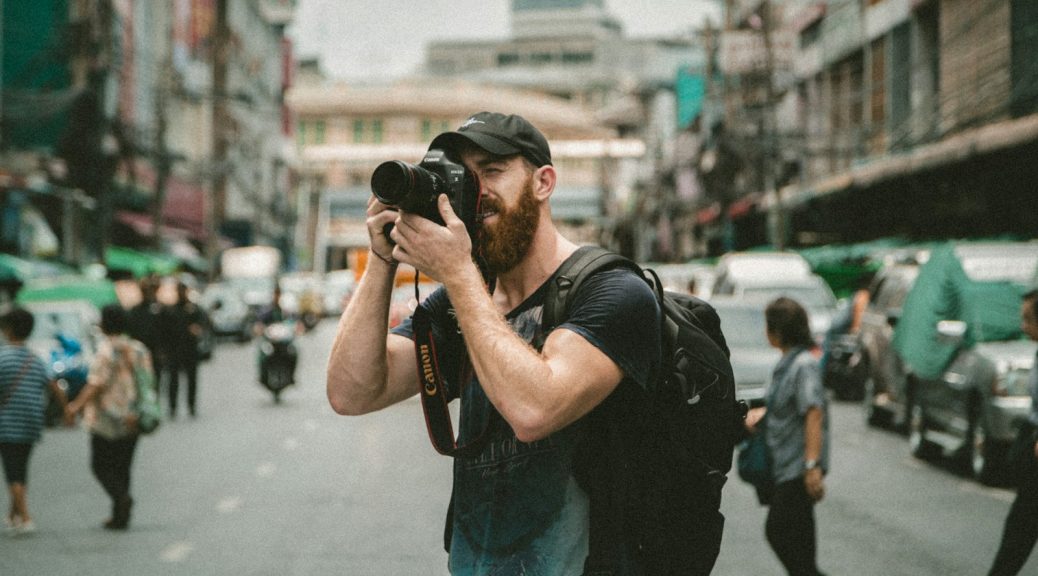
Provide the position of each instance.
(120, 515)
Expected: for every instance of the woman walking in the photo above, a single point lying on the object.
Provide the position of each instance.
(797, 434)
(107, 402)
(23, 384)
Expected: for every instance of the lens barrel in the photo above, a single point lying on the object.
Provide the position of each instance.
(404, 185)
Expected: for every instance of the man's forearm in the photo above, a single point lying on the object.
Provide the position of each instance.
(357, 365)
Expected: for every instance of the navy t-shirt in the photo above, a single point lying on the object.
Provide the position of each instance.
(518, 509)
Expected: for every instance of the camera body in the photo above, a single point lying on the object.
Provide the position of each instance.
(415, 188)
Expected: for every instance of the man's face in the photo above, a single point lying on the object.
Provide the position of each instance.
(510, 208)
(1028, 322)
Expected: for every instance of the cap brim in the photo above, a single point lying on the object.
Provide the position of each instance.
(450, 141)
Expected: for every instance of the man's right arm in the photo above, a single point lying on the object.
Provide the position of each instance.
(370, 369)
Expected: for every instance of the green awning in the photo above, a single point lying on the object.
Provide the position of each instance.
(15, 269)
(98, 292)
(139, 263)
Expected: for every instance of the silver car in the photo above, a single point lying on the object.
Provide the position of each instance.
(753, 358)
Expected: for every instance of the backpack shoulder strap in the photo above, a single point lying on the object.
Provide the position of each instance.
(566, 281)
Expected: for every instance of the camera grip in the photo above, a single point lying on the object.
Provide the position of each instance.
(385, 232)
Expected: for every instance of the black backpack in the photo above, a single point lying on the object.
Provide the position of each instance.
(654, 468)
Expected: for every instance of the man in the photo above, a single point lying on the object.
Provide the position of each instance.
(148, 323)
(1021, 529)
(187, 321)
(517, 506)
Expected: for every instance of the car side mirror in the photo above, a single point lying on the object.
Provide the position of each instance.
(951, 331)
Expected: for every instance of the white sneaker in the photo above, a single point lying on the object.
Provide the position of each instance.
(25, 528)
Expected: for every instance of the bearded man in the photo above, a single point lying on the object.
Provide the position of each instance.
(520, 502)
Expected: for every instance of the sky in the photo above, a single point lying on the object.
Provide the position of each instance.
(383, 39)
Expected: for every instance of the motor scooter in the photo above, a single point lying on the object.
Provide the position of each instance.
(277, 357)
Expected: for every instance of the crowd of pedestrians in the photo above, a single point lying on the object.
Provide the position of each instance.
(159, 339)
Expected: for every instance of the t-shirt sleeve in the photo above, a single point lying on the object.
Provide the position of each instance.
(809, 390)
(616, 311)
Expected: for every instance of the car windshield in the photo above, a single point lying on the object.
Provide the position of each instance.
(807, 296)
(743, 326)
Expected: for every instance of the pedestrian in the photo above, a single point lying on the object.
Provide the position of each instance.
(517, 505)
(23, 385)
(797, 438)
(186, 321)
(148, 323)
(107, 406)
(1021, 527)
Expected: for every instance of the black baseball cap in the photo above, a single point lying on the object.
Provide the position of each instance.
(501, 135)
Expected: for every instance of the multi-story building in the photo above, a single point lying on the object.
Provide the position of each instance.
(564, 59)
(911, 117)
(344, 132)
(146, 127)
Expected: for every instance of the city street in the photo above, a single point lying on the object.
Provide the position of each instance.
(254, 488)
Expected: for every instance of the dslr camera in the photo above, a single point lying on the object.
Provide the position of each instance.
(415, 188)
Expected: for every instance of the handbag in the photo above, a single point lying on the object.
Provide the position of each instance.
(754, 464)
(146, 405)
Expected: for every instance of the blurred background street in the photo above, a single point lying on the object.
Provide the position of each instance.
(873, 159)
(253, 488)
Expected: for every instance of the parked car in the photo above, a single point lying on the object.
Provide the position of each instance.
(680, 277)
(883, 371)
(960, 340)
(736, 268)
(753, 358)
(809, 290)
(338, 288)
(229, 315)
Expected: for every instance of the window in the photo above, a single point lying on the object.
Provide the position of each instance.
(376, 131)
(577, 57)
(358, 131)
(319, 132)
(426, 129)
(507, 59)
(301, 133)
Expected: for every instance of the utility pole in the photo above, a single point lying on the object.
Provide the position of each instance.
(769, 129)
(162, 155)
(220, 127)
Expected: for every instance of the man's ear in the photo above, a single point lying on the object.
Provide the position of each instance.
(544, 182)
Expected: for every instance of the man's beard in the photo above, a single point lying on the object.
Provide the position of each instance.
(505, 243)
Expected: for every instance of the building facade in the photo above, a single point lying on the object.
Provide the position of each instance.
(910, 118)
(344, 132)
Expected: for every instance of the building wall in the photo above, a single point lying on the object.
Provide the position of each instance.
(975, 63)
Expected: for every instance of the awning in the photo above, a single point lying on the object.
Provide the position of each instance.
(743, 206)
(183, 208)
(13, 268)
(98, 292)
(708, 214)
(138, 263)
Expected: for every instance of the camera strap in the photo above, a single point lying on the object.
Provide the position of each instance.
(434, 393)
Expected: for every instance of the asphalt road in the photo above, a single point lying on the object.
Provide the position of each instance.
(254, 488)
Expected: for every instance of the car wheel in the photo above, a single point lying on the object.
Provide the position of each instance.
(920, 446)
(985, 455)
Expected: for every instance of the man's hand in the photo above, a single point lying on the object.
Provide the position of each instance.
(442, 252)
(814, 484)
(380, 216)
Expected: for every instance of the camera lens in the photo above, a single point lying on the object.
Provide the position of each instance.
(392, 182)
(405, 186)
